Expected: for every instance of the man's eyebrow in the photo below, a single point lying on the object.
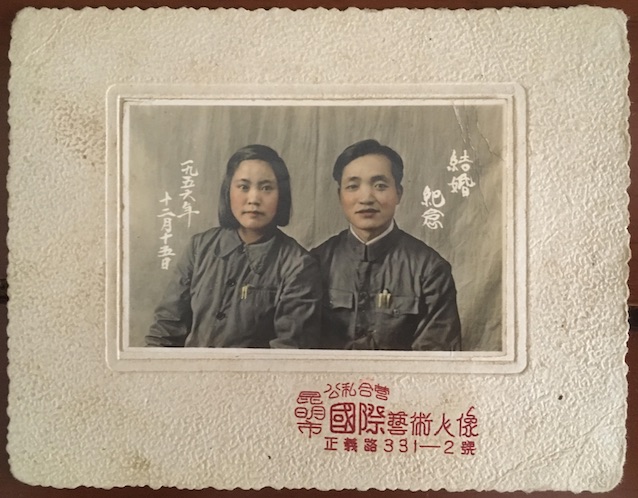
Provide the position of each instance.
(382, 178)
(352, 179)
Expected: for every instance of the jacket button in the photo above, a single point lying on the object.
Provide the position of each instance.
(221, 315)
(231, 283)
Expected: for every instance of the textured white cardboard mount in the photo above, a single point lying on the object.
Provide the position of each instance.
(555, 421)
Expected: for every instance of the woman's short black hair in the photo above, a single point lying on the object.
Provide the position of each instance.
(261, 153)
(365, 148)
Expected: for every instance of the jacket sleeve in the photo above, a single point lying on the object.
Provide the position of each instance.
(439, 327)
(173, 316)
(298, 311)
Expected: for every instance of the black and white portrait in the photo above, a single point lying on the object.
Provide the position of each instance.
(377, 225)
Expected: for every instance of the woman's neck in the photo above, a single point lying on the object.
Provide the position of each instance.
(249, 236)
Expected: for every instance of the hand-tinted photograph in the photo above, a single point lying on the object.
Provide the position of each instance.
(346, 225)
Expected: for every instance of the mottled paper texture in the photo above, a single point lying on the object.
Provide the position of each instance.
(560, 424)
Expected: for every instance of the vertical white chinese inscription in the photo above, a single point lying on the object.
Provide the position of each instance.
(188, 184)
(433, 200)
(189, 173)
(461, 183)
(165, 252)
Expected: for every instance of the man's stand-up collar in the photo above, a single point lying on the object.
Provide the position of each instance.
(377, 238)
(256, 253)
(374, 249)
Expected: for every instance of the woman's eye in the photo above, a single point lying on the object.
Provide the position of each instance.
(351, 187)
(267, 188)
(243, 188)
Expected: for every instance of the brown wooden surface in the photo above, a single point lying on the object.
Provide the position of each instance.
(10, 487)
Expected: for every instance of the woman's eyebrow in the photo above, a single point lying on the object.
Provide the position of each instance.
(265, 182)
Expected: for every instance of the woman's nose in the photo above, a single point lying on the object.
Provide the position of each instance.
(253, 196)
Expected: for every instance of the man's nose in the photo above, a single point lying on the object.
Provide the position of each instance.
(365, 195)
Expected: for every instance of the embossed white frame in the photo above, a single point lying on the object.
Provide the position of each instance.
(558, 425)
(511, 359)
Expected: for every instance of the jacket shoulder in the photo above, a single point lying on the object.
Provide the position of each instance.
(293, 256)
(206, 238)
(418, 249)
(329, 245)
(291, 248)
(210, 234)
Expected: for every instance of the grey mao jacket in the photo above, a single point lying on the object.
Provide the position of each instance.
(397, 293)
(229, 294)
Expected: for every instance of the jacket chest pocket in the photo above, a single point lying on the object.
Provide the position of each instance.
(400, 306)
(255, 313)
(396, 322)
(336, 299)
(337, 319)
(258, 300)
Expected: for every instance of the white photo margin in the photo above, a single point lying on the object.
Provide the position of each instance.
(512, 358)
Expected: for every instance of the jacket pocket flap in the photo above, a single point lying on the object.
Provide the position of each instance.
(336, 298)
(401, 305)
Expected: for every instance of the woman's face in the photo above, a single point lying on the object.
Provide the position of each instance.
(254, 195)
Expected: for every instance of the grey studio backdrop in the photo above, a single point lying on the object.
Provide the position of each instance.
(164, 139)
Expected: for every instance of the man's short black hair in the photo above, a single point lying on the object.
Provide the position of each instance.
(365, 148)
(261, 153)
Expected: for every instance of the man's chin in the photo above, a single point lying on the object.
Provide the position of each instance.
(368, 225)
(370, 230)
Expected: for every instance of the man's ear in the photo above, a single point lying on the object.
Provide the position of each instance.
(399, 192)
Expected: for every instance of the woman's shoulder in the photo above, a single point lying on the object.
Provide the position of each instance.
(294, 260)
(212, 239)
(289, 245)
(209, 235)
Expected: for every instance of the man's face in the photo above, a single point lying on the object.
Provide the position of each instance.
(369, 195)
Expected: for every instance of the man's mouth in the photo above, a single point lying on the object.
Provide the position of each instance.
(367, 211)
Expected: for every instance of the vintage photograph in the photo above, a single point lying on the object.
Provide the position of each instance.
(316, 224)
(319, 249)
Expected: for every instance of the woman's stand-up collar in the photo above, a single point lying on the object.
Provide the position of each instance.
(256, 253)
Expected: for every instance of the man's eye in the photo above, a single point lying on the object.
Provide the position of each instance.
(381, 186)
(351, 187)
